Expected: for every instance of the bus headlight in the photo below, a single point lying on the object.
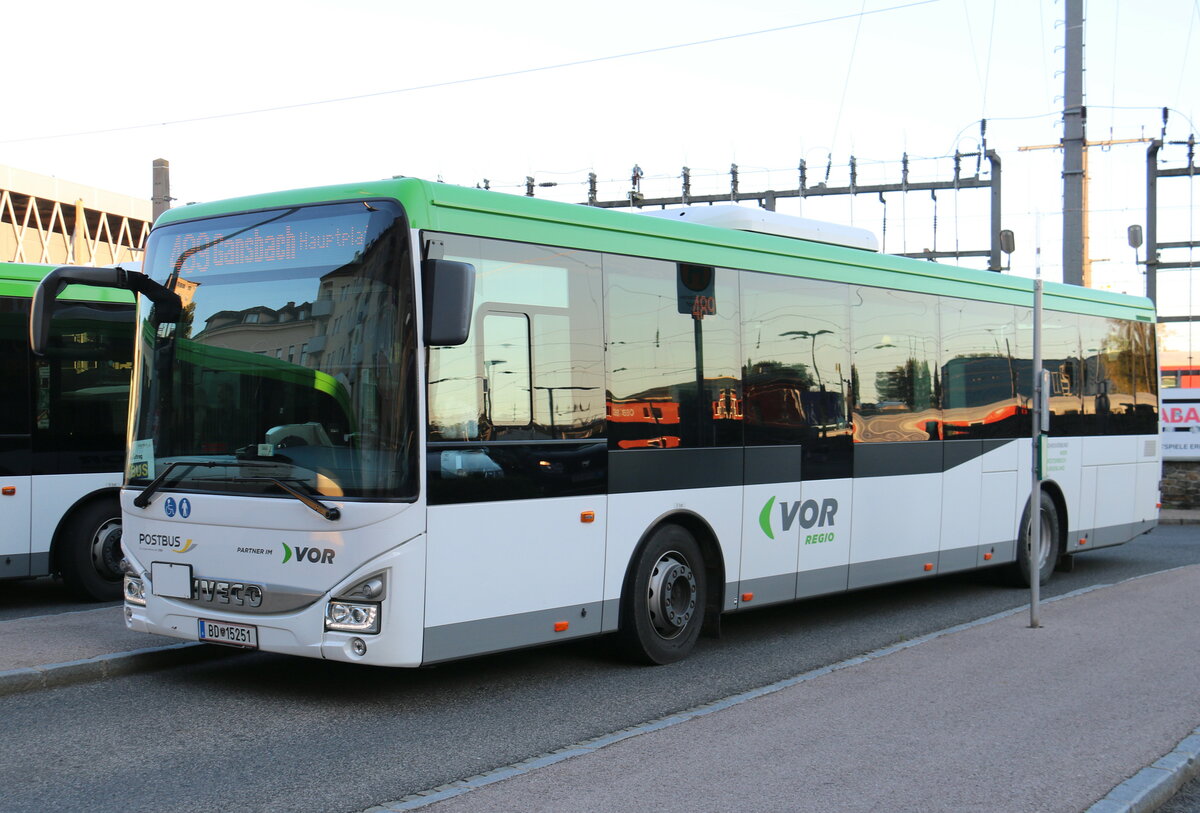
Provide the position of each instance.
(352, 616)
(135, 591)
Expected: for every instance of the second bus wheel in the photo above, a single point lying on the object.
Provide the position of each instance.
(1051, 546)
(663, 606)
(89, 551)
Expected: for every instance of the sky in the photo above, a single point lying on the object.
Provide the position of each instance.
(471, 90)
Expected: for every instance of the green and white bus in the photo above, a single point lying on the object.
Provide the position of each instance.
(402, 422)
(62, 435)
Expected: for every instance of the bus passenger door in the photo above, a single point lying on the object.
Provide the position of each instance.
(771, 502)
(16, 406)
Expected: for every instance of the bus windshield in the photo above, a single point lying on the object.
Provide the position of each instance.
(295, 351)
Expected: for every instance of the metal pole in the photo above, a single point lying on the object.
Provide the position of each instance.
(160, 195)
(994, 261)
(1152, 221)
(1073, 146)
(1033, 555)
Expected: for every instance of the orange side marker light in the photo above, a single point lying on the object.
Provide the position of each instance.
(1083, 541)
(561, 626)
(747, 597)
(587, 516)
(8, 491)
(987, 557)
(928, 566)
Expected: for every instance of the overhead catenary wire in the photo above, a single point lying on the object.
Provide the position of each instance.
(469, 80)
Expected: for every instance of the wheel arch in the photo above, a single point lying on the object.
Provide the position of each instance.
(1052, 490)
(710, 549)
(89, 499)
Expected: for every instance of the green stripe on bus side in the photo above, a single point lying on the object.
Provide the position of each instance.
(443, 207)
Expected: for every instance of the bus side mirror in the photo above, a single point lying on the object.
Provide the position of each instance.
(168, 306)
(449, 290)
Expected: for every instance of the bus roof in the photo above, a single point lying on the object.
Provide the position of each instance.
(456, 209)
(21, 279)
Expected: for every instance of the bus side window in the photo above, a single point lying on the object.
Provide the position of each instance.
(15, 394)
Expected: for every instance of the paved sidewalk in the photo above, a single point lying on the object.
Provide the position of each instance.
(76, 647)
(993, 717)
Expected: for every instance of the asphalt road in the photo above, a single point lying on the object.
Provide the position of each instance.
(44, 596)
(266, 732)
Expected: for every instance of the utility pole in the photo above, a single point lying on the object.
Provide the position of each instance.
(1085, 257)
(160, 195)
(1074, 141)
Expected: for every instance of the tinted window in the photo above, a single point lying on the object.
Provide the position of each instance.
(896, 378)
(518, 410)
(15, 393)
(82, 389)
(795, 339)
(1146, 378)
(674, 375)
(231, 382)
(980, 370)
(533, 365)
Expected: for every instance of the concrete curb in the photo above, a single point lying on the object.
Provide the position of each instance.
(101, 667)
(1153, 786)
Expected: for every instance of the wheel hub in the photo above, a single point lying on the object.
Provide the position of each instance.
(106, 549)
(671, 595)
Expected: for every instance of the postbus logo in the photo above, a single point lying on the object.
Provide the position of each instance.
(809, 513)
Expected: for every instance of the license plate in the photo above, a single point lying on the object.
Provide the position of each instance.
(220, 632)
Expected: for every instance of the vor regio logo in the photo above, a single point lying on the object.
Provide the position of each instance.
(809, 513)
(322, 556)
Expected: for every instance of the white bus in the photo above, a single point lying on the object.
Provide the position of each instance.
(62, 436)
(401, 422)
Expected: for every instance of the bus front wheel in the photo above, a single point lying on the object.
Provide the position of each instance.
(663, 606)
(89, 551)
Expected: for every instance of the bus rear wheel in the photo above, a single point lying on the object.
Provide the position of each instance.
(89, 551)
(1051, 546)
(662, 610)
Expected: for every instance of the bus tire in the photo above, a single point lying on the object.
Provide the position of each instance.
(1051, 540)
(662, 610)
(89, 551)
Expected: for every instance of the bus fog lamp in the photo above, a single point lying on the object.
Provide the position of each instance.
(135, 591)
(351, 616)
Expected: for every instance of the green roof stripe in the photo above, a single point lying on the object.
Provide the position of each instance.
(456, 209)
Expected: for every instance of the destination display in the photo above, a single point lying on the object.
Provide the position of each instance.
(319, 242)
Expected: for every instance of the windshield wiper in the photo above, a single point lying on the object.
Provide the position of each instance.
(142, 500)
(331, 513)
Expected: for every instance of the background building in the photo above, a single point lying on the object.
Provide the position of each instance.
(47, 220)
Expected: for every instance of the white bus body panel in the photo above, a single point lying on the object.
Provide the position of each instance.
(769, 563)
(896, 528)
(504, 574)
(825, 546)
(31, 516)
(15, 518)
(55, 494)
(962, 499)
(808, 549)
